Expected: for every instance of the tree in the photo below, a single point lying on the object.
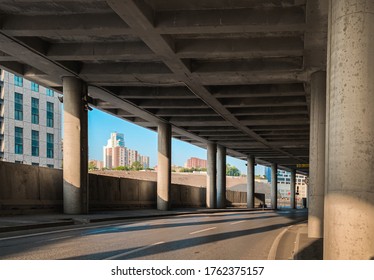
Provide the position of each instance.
(92, 165)
(232, 170)
(136, 165)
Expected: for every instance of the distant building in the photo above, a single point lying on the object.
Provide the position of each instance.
(194, 162)
(116, 154)
(30, 122)
(114, 151)
(284, 182)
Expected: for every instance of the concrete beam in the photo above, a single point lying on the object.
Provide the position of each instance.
(105, 25)
(101, 51)
(239, 47)
(245, 20)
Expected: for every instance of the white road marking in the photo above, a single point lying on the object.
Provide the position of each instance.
(194, 232)
(296, 248)
(238, 222)
(274, 246)
(59, 238)
(64, 230)
(134, 251)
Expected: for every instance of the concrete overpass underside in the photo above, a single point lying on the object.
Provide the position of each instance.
(232, 72)
(249, 78)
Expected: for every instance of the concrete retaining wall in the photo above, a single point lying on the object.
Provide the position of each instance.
(27, 188)
(239, 199)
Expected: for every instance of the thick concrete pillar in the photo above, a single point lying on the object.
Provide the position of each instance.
(250, 182)
(274, 186)
(164, 167)
(221, 177)
(211, 184)
(293, 202)
(75, 151)
(349, 198)
(316, 187)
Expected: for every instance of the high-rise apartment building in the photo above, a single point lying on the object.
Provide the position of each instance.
(194, 162)
(116, 154)
(30, 122)
(114, 151)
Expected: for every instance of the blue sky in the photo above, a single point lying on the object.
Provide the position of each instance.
(101, 125)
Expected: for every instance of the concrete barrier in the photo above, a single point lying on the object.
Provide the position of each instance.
(24, 188)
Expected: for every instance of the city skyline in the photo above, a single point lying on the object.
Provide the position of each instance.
(144, 140)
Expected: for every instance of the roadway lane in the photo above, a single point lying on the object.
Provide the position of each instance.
(224, 235)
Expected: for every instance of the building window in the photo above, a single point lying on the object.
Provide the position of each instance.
(35, 163)
(50, 166)
(50, 112)
(18, 81)
(50, 92)
(34, 87)
(18, 140)
(35, 143)
(18, 106)
(50, 145)
(34, 110)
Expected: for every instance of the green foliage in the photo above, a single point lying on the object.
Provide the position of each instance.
(191, 170)
(136, 166)
(232, 170)
(122, 168)
(92, 166)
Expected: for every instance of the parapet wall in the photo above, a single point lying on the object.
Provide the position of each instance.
(26, 188)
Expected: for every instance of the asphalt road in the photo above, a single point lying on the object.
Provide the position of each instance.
(225, 235)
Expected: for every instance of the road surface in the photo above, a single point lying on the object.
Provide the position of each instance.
(224, 235)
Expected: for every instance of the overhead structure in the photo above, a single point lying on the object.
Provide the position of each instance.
(236, 73)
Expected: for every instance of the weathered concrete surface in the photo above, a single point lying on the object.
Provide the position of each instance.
(349, 202)
(25, 188)
(40, 188)
(164, 166)
(211, 178)
(75, 147)
(251, 182)
(274, 186)
(316, 189)
(221, 177)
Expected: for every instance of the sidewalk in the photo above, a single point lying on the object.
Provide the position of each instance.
(293, 241)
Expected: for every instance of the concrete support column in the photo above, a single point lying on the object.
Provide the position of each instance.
(293, 202)
(349, 198)
(221, 177)
(164, 167)
(250, 182)
(316, 188)
(211, 184)
(274, 186)
(75, 150)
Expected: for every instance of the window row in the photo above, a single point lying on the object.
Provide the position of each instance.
(18, 110)
(18, 142)
(18, 81)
